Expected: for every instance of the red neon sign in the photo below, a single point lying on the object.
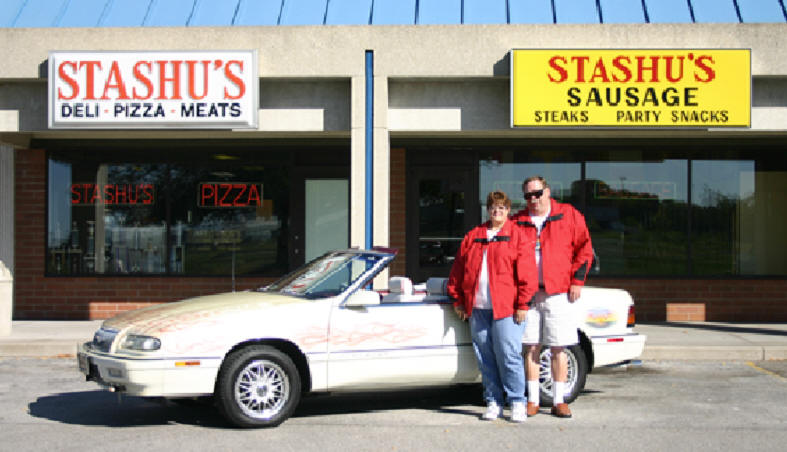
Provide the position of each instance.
(113, 194)
(230, 194)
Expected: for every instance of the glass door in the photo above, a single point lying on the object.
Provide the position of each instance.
(327, 216)
(443, 204)
(320, 217)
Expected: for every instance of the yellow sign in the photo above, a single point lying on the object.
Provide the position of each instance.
(631, 88)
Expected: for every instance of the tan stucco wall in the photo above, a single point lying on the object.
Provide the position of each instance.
(400, 51)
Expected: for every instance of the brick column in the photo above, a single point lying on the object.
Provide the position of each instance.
(398, 206)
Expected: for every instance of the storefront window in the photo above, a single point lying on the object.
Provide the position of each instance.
(736, 229)
(189, 213)
(663, 210)
(507, 175)
(636, 212)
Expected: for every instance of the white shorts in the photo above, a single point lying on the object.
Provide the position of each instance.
(551, 321)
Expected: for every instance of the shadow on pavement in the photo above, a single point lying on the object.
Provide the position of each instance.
(721, 328)
(103, 408)
(444, 399)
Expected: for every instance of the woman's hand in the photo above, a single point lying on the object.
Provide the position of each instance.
(574, 292)
(460, 311)
(520, 315)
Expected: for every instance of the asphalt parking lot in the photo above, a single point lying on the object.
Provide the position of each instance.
(774, 367)
(680, 405)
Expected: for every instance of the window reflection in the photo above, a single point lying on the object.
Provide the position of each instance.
(654, 212)
(735, 226)
(180, 218)
(503, 174)
(441, 222)
(636, 213)
(718, 189)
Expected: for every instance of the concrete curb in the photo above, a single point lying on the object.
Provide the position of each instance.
(38, 349)
(714, 352)
(776, 352)
(46, 338)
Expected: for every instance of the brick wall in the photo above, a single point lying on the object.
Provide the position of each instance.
(398, 214)
(76, 298)
(713, 300)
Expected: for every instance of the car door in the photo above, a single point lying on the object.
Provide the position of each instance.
(398, 344)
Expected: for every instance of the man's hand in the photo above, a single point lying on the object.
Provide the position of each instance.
(574, 292)
(520, 315)
(460, 311)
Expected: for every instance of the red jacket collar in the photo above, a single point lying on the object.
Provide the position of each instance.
(554, 207)
(505, 230)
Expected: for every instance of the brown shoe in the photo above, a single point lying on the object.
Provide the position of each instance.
(532, 409)
(561, 410)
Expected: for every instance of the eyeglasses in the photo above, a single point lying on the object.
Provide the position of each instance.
(534, 194)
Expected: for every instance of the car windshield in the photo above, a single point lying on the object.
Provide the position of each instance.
(326, 276)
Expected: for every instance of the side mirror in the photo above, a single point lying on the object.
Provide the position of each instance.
(363, 297)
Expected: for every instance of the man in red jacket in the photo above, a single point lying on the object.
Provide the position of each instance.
(563, 254)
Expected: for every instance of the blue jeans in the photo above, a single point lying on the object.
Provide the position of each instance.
(498, 349)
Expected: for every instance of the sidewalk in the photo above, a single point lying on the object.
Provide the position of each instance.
(714, 340)
(666, 340)
(44, 338)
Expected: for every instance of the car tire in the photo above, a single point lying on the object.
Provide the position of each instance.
(257, 386)
(577, 374)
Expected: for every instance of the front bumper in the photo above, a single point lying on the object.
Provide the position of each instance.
(609, 350)
(149, 377)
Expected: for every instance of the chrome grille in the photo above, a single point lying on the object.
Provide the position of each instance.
(102, 340)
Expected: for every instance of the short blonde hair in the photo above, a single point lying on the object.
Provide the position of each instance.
(497, 197)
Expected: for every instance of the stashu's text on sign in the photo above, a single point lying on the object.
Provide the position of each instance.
(631, 88)
(216, 89)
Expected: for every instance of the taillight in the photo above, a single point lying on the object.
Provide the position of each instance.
(632, 318)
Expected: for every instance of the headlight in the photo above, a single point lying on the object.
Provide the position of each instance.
(102, 340)
(137, 342)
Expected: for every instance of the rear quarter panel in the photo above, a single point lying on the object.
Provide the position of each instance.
(603, 312)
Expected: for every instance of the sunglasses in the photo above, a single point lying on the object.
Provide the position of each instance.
(534, 194)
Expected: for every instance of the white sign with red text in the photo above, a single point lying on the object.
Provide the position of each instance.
(167, 89)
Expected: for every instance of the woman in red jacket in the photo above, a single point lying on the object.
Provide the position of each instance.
(492, 281)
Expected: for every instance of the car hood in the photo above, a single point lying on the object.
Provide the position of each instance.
(198, 312)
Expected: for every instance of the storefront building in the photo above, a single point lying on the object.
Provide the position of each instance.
(388, 135)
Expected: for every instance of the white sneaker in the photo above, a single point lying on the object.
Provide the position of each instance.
(493, 411)
(518, 412)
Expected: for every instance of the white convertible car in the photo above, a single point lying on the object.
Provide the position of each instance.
(321, 329)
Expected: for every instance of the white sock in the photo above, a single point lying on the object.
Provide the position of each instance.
(558, 388)
(533, 391)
